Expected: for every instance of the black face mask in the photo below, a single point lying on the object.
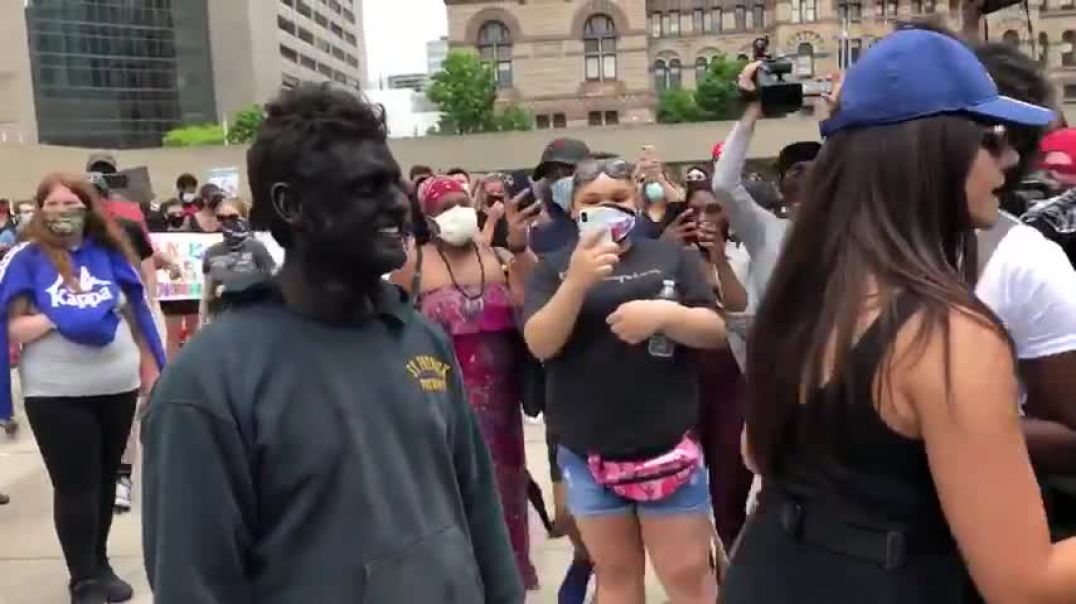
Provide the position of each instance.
(176, 220)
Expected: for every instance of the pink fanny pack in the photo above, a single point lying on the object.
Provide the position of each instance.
(651, 479)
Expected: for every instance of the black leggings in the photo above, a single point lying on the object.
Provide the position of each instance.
(82, 439)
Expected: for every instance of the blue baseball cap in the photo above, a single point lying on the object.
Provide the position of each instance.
(912, 74)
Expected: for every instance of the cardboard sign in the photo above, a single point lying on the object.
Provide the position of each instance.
(188, 249)
(227, 179)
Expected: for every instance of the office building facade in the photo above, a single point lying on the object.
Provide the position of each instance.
(605, 62)
(117, 74)
(120, 74)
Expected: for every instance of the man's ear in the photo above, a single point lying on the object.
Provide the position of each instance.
(286, 204)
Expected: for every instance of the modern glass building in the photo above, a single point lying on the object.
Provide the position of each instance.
(119, 73)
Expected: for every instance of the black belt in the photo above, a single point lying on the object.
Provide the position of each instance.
(823, 525)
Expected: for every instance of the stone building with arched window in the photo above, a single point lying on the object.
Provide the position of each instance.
(604, 62)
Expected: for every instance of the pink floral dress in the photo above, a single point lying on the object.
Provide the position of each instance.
(489, 348)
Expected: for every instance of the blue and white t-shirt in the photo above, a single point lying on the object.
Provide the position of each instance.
(88, 317)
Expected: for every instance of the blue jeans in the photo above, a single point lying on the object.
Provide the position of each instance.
(587, 498)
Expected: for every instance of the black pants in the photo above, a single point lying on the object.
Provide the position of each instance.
(82, 440)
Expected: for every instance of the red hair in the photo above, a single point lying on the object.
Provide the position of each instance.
(99, 225)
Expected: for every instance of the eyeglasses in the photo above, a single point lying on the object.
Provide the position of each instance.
(995, 140)
(617, 169)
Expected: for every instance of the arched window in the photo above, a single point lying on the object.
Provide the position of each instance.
(661, 76)
(599, 48)
(805, 60)
(700, 69)
(675, 77)
(1068, 48)
(495, 47)
(1044, 48)
(1011, 38)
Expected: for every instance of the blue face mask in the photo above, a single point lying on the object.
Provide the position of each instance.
(562, 193)
(654, 191)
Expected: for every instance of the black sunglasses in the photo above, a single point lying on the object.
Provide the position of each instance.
(617, 169)
(995, 139)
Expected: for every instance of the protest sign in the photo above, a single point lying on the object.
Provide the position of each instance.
(187, 249)
(227, 179)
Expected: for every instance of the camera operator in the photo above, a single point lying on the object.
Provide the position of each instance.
(761, 231)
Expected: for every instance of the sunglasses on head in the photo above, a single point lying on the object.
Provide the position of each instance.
(617, 169)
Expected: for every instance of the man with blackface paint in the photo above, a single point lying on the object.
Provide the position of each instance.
(315, 444)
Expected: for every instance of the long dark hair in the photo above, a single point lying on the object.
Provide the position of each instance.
(884, 206)
(99, 226)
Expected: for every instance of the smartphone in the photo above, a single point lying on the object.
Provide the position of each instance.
(116, 181)
(587, 225)
(519, 181)
(675, 210)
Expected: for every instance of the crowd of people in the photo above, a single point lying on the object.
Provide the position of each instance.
(850, 379)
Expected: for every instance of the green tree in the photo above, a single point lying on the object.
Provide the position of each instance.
(245, 125)
(717, 95)
(514, 118)
(194, 136)
(464, 91)
(677, 106)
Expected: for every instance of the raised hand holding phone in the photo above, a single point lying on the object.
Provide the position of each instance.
(594, 258)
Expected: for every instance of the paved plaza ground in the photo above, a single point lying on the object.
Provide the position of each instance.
(32, 570)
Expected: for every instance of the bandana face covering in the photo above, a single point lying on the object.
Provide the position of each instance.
(67, 222)
(619, 222)
(236, 232)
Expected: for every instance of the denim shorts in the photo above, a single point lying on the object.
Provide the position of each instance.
(587, 498)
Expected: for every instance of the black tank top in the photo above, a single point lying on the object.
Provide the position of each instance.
(860, 521)
(872, 476)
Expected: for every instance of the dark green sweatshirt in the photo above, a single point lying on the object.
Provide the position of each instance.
(292, 462)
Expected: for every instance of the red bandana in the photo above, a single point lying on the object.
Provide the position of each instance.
(434, 189)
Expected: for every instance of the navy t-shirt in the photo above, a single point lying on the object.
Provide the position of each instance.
(605, 396)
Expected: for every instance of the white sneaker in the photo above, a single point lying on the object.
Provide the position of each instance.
(123, 494)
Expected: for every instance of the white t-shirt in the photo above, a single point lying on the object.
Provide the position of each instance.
(1030, 284)
(738, 325)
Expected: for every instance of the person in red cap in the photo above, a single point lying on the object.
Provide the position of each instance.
(1059, 155)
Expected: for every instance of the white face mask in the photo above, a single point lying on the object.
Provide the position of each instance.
(188, 197)
(457, 226)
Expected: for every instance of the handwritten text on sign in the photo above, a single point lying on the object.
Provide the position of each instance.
(188, 250)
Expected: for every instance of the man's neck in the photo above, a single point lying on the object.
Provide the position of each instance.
(311, 291)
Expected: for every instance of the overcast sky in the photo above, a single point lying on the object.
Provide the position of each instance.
(397, 32)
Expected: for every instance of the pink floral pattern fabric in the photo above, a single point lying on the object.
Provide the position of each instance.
(489, 348)
(652, 479)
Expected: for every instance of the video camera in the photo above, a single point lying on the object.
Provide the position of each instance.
(777, 96)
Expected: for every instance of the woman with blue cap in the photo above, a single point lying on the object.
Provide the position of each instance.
(883, 410)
